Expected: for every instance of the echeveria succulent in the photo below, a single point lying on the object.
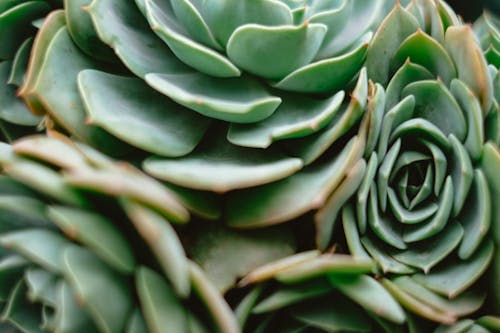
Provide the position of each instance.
(19, 21)
(313, 166)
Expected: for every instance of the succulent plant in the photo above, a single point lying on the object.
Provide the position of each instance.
(336, 161)
(19, 21)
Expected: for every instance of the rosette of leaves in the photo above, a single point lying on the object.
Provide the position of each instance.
(88, 245)
(426, 208)
(487, 29)
(248, 98)
(19, 21)
(315, 292)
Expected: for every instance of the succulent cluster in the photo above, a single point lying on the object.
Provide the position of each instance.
(248, 166)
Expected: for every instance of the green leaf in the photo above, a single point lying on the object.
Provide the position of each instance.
(490, 164)
(20, 63)
(97, 233)
(297, 116)
(140, 116)
(427, 254)
(226, 255)
(20, 313)
(462, 173)
(216, 165)
(240, 100)
(333, 314)
(204, 59)
(14, 23)
(288, 295)
(12, 109)
(472, 109)
(129, 183)
(395, 28)
(163, 312)
(423, 50)
(371, 295)
(271, 269)
(453, 278)
(476, 217)
(461, 45)
(310, 148)
(264, 12)
(38, 245)
(69, 316)
(220, 311)
(326, 217)
(42, 286)
(325, 75)
(82, 31)
(439, 220)
(293, 196)
(90, 280)
(163, 242)
(123, 28)
(326, 264)
(275, 52)
(433, 102)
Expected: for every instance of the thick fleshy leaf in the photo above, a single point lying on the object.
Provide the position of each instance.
(20, 63)
(417, 306)
(292, 294)
(326, 217)
(453, 278)
(60, 98)
(312, 147)
(435, 103)
(162, 310)
(295, 117)
(264, 12)
(407, 73)
(380, 254)
(325, 75)
(422, 49)
(326, 264)
(396, 27)
(91, 279)
(371, 295)
(429, 253)
(472, 109)
(204, 59)
(226, 255)
(476, 217)
(121, 26)
(439, 220)
(216, 165)
(188, 14)
(275, 52)
(42, 286)
(291, 197)
(221, 313)
(462, 46)
(38, 245)
(271, 269)
(13, 23)
(462, 174)
(163, 242)
(490, 164)
(333, 315)
(140, 116)
(20, 312)
(97, 233)
(82, 31)
(462, 305)
(69, 315)
(239, 100)
(134, 185)
(12, 109)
